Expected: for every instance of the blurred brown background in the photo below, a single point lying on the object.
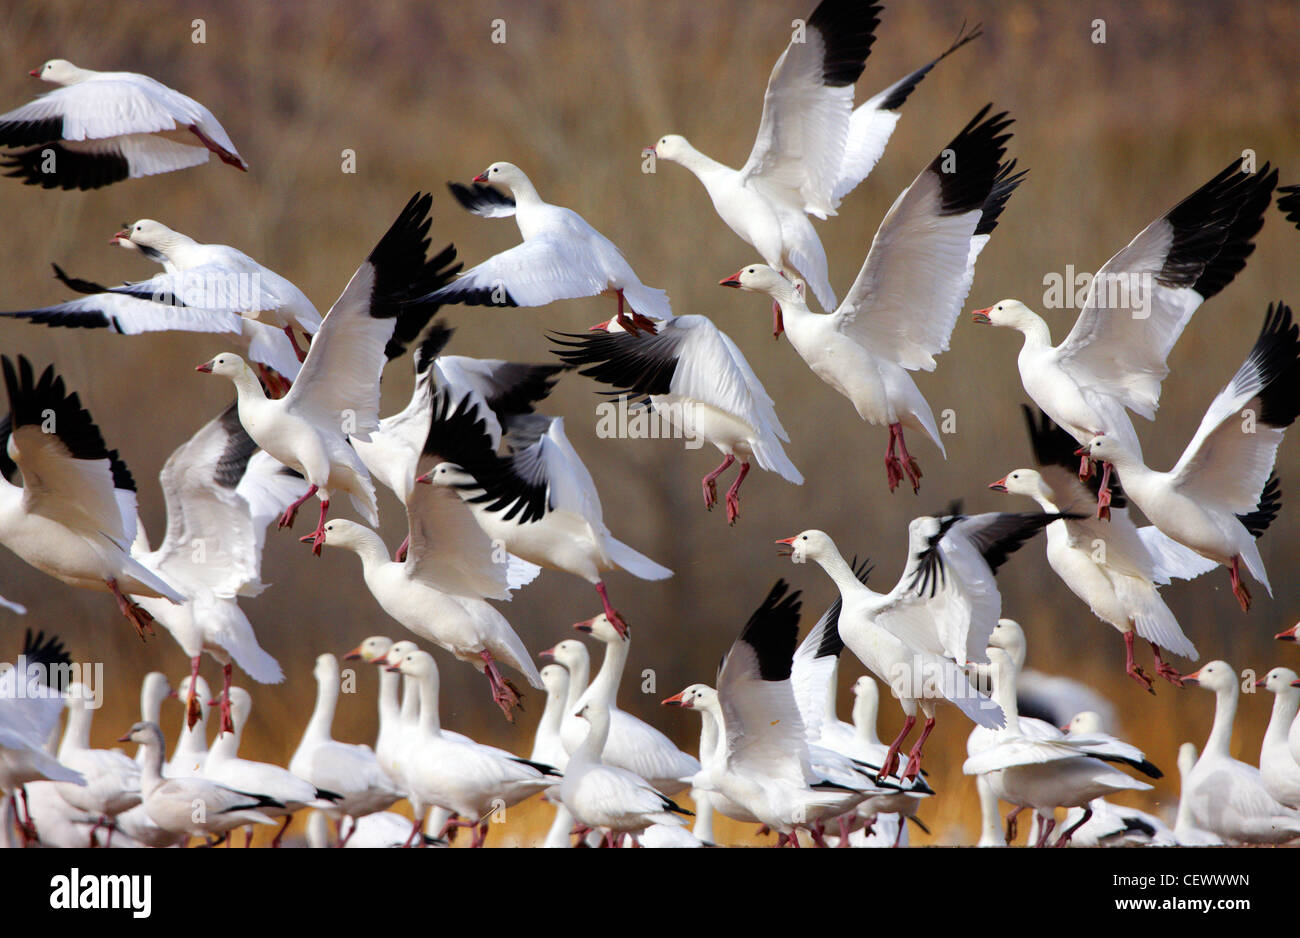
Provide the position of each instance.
(1113, 134)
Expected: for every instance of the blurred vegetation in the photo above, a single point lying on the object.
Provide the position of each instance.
(1113, 134)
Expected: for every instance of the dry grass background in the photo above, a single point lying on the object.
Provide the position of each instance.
(1113, 135)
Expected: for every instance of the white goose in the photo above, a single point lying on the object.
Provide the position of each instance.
(346, 769)
(605, 797)
(104, 127)
(764, 763)
(1278, 769)
(1225, 796)
(918, 637)
(205, 288)
(900, 312)
(696, 378)
(538, 500)
(1185, 830)
(226, 768)
(136, 823)
(466, 778)
(220, 495)
(548, 748)
(336, 394)
(631, 743)
(1136, 308)
(416, 593)
(112, 779)
(801, 155)
(562, 257)
(1113, 566)
(191, 752)
(174, 803)
(74, 516)
(1221, 496)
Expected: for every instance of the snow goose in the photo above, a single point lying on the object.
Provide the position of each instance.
(212, 550)
(74, 516)
(191, 752)
(1225, 796)
(224, 767)
(112, 779)
(193, 806)
(1116, 826)
(766, 765)
(136, 823)
(538, 499)
(336, 394)
(1277, 767)
(901, 310)
(99, 128)
(561, 257)
(348, 769)
(1136, 308)
(630, 743)
(1221, 496)
(695, 377)
(548, 748)
(1185, 831)
(417, 594)
(1112, 566)
(1040, 772)
(471, 780)
(29, 717)
(799, 157)
(918, 637)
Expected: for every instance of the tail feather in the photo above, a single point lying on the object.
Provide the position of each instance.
(772, 457)
(637, 564)
(1152, 618)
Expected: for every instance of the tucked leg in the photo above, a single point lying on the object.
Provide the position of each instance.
(291, 513)
(733, 494)
(1131, 667)
(504, 693)
(890, 765)
(710, 482)
(611, 613)
(1238, 586)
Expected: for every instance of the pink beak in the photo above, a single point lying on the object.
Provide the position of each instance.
(584, 625)
(981, 316)
(36, 73)
(1194, 677)
(548, 653)
(481, 177)
(123, 235)
(1001, 484)
(676, 700)
(206, 368)
(1288, 635)
(733, 280)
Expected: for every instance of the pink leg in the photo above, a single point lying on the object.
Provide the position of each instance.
(636, 323)
(227, 718)
(844, 826)
(1164, 669)
(893, 468)
(1085, 468)
(343, 841)
(1048, 827)
(710, 482)
(134, 614)
(819, 838)
(778, 323)
(898, 835)
(1132, 668)
(503, 692)
(248, 834)
(275, 841)
(297, 349)
(291, 513)
(1238, 586)
(193, 706)
(1011, 825)
(890, 766)
(317, 537)
(480, 834)
(226, 155)
(733, 494)
(400, 555)
(26, 826)
(414, 835)
(910, 465)
(1065, 838)
(1103, 495)
(914, 757)
(610, 612)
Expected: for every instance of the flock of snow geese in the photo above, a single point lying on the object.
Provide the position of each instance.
(494, 492)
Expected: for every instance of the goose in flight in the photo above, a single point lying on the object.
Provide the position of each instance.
(99, 128)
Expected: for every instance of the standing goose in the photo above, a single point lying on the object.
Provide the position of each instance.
(900, 312)
(918, 637)
(1113, 566)
(347, 769)
(695, 377)
(1225, 796)
(1221, 495)
(1136, 308)
(538, 500)
(562, 257)
(112, 779)
(74, 516)
(336, 394)
(99, 128)
(466, 778)
(1185, 831)
(800, 156)
(220, 495)
(172, 802)
(1278, 768)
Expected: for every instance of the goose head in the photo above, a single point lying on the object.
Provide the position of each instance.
(372, 649)
(144, 734)
(341, 532)
(399, 650)
(59, 72)
(1103, 448)
(503, 174)
(1087, 722)
(568, 653)
(1216, 676)
(809, 545)
(1022, 482)
(1011, 314)
(671, 147)
(694, 697)
(414, 663)
(227, 364)
(448, 474)
(146, 234)
(601, 628)
(326, 669)
(555, 678)
(758, 278)
(1278, 681)
(1009, 637)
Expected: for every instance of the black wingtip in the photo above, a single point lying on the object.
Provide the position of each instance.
(1288, 201)
(1266, 512)
(848, 30)
(480, 198)
(773, 631)
(902, 90)
(971, 164)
